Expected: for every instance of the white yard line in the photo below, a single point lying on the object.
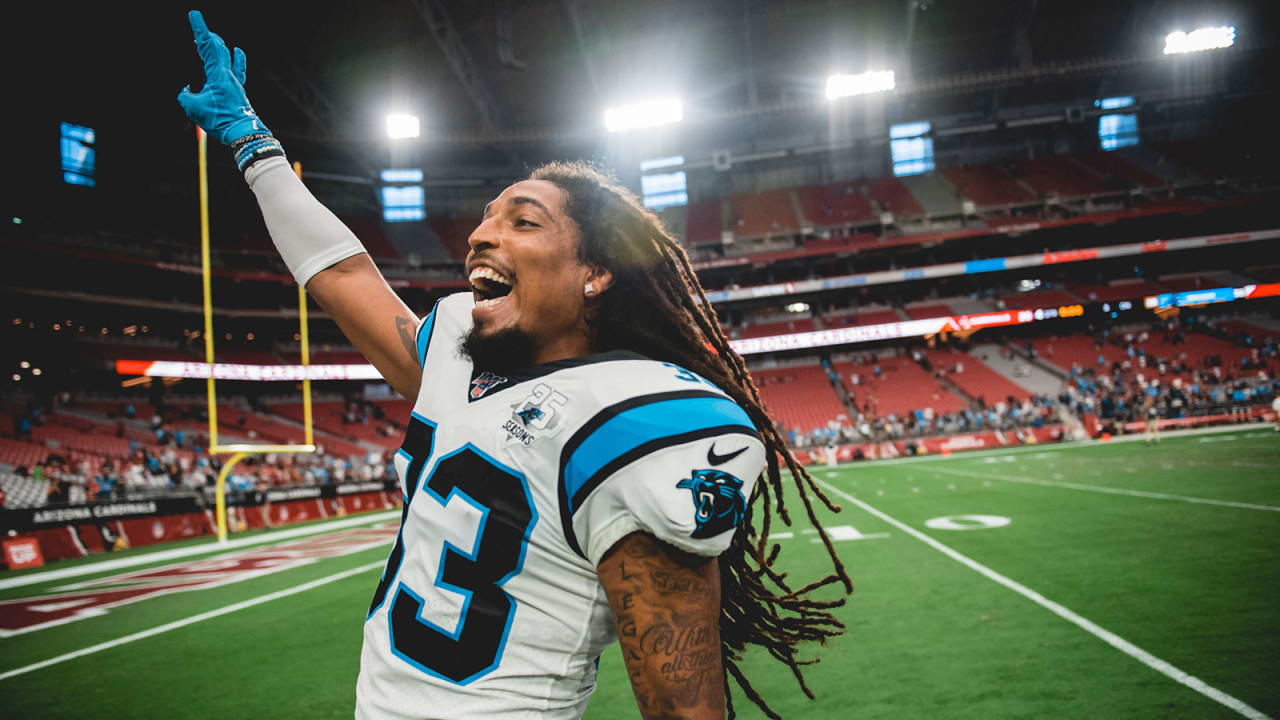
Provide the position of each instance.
(1053, 447)
(235, 607)
(1092, 628)
(192, 550)
(1107, 490)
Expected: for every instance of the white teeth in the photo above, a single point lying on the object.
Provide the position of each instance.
(490, 274)
(489, 303)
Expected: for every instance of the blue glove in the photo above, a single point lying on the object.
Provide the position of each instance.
(221, 107)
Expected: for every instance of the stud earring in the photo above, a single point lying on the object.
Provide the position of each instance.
(589, 289)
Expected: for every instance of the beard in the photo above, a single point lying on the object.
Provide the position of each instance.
(499, 352)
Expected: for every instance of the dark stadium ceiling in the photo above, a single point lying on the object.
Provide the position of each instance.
(525, 80)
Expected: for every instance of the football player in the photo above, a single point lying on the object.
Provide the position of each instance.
(581, 463)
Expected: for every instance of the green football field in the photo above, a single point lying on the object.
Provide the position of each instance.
(1094, 581)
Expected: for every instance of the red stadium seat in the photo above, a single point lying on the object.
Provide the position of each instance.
(800, 397)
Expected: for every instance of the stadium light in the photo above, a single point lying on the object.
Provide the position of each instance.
(400, 125)
(645, 114)
(839, 86)
(1207, 38)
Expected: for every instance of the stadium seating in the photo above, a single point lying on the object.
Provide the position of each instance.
(1039, 299)
(922, 312)
(1186, 284)
(246, 356)
(453, 233)
(137, 351)
(894, 197)
(835, 204)
(373, 235)
(329, 416)
(1058, 175)
(1257, 332)
(704, 223)
(1062, 352)
(1117, 291)
(780, 327)
(858, 319)
(22, 491)
(328, 357)
(903, 386)
(987, 185)
(976, 379)
(800, 397)
(765, 213)
(1113, 166)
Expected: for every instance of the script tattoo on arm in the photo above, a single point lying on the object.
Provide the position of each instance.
(666, 606)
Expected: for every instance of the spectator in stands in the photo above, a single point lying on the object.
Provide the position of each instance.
(22, 427)
(106, 480)
(58, 491)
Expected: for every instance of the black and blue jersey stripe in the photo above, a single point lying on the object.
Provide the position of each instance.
(634, 428)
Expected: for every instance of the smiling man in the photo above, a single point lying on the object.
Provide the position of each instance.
(582, 461)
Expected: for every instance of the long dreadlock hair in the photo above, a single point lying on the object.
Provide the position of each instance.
(657, 307)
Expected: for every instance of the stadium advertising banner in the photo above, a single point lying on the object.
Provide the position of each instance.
(1013, 262)
(25, 519)
(744, 346)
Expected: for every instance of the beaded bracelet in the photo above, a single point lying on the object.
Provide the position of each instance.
(251, 148)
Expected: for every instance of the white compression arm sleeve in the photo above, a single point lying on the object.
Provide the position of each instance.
(308, 236)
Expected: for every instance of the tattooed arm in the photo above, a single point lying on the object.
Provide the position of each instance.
(666, 606)
(373, 318)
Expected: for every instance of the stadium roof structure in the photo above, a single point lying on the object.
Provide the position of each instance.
(502, 85)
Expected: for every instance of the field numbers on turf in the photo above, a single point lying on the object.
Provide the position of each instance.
(967, 522)
(838, 533)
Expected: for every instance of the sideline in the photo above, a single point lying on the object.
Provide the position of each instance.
(1104, 489)
(1050, 447)
(1097, 631)
(201, 549)
(193, 619)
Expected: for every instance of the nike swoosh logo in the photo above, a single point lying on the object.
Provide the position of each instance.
(715, 459)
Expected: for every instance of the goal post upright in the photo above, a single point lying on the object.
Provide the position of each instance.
(238, 451)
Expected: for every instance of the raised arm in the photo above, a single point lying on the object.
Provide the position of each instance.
(666, 606)
(332, 264)
(323, 255)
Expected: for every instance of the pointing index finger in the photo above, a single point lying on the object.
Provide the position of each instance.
(197, 23)
(211, 48)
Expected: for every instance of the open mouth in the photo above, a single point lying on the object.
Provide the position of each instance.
(488, 286)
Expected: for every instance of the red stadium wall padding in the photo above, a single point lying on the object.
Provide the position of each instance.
(929, 446)
(1256, 413)
(90, 537)
(68, 541)
(149, 531)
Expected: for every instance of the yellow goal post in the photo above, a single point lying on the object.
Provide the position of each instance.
(239, 451)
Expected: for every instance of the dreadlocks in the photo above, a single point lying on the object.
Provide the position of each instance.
(656, 306)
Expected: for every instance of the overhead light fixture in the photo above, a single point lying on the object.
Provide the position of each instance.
(401, 125)
(1207, 38)
(650, 113)
(873, 81)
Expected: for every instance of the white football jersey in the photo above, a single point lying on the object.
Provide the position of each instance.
(515, 486)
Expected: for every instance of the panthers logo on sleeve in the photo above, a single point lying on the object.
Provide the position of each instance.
(717, 499)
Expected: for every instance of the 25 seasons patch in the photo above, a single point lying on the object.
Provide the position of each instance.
(540, 414)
